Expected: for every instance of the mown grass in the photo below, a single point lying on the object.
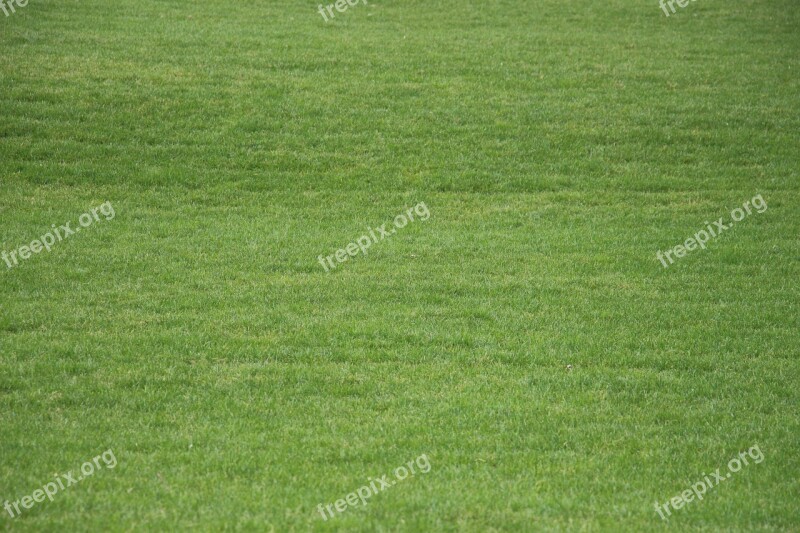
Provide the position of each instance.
(557, 145)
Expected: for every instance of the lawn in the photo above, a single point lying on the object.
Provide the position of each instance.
(523, 341)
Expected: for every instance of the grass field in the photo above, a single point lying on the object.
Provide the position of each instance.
(524, 338)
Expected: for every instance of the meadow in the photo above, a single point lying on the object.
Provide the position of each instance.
(525, 337)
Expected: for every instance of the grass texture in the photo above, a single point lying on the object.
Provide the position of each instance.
(558, 146)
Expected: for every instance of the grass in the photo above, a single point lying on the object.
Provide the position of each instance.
(558, 147)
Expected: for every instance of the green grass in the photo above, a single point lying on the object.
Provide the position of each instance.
(558, 146)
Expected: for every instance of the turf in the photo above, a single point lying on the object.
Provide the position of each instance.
(558, 146)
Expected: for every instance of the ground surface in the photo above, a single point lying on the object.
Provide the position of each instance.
(557, 145)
